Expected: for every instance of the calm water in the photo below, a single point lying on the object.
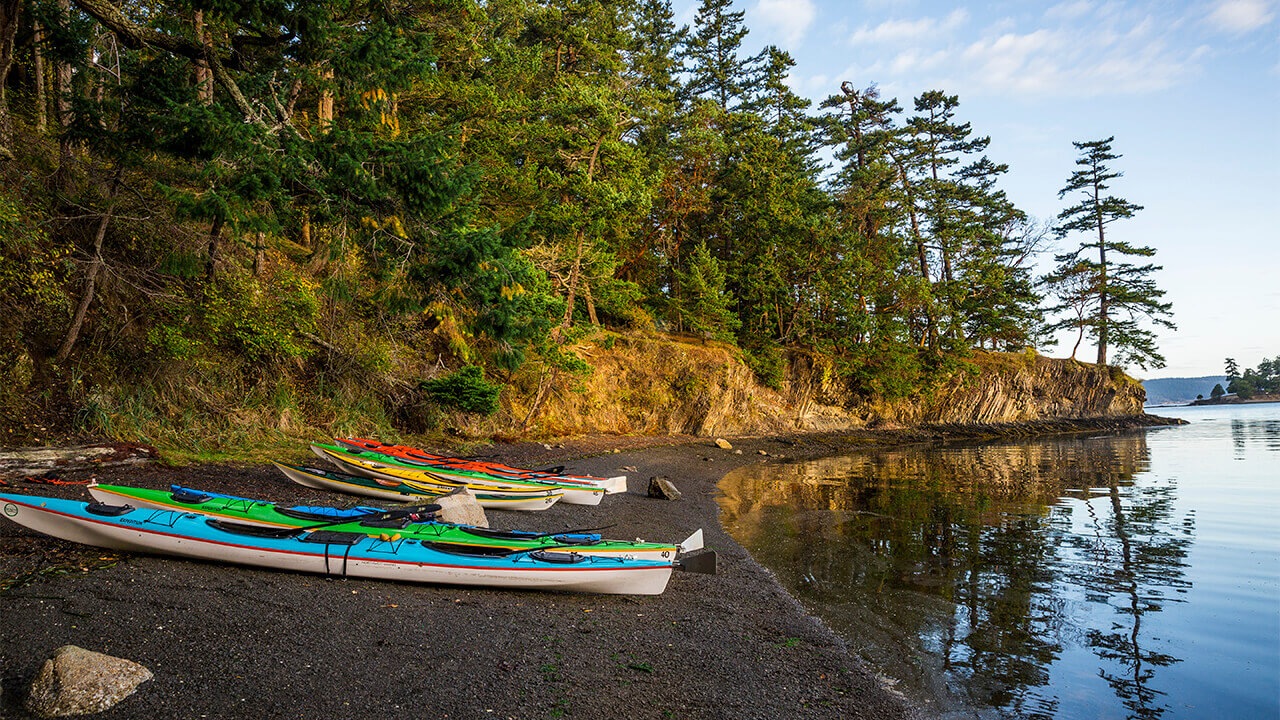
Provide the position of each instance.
(1117, 576)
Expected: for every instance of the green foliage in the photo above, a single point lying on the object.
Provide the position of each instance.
(1264, 379)
(33, 273)
(705, 304)
(1100, 293)
(1217, 391)
(262, 320)
(495, 180)
(768, 362)
(465, 389)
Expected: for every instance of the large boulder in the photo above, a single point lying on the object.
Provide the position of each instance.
(662, 488)
(75, 681)
(461, 508)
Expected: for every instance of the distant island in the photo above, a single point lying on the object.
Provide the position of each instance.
(1233, 399)
(1253, 385)
(1182, 390)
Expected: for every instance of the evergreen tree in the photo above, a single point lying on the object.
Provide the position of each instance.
(653, 70)
(869, 217)
(1118, 292)
(785, 114)
(712, 55)
(936, 146)
(705, 304)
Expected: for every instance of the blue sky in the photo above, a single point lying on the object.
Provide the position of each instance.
(1190, 90)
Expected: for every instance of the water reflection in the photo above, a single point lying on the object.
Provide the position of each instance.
(979, 577)
(1264, 432)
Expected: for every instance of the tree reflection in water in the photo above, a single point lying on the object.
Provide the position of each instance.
(966, 573)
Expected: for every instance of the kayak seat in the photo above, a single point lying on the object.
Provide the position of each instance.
(205, 495)
(108, 510)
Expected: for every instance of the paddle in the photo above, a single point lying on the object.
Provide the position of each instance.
(512, 535)
(394, 514)
(703, 563)
(278, 532)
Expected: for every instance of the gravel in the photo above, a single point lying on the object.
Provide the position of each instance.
(232, 642)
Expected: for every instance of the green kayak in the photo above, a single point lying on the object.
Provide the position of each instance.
(409, 523)
(377, 465)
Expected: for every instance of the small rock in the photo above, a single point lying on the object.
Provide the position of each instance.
(662, 488)
(723, 444)
(763, 452)
(461, 508)
(75, 681)
(737, 452)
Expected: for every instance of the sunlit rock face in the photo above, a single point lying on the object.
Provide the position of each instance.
(657, 386)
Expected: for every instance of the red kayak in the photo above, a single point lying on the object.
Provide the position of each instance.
(418, 456)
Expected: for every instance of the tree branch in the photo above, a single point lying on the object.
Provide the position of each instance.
(135, 36)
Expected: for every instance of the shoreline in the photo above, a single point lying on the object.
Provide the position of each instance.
(229, 642)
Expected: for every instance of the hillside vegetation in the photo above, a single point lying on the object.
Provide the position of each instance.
(224, 227)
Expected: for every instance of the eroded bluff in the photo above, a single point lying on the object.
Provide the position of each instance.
(656, 386)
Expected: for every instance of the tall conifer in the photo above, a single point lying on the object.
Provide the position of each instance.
(1119, 292)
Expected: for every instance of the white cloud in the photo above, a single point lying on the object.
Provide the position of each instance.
(1078, 62)
(1241, 16)
(1078, 48)
(788, 18)
(1069, 10)
(899, 31)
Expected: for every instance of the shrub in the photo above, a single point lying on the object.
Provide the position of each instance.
(465, 389)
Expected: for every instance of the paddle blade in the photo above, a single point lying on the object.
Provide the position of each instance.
(693, 542)
(703, 563)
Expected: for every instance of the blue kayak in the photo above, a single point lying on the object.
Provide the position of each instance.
(382, 555)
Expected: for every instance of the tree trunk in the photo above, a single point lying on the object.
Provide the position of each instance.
(576, 273)
(545, 383)
(9, 15)
(591, 303)
(1104, 301)
(204, 76)
(90, 281)
(63, 79)
(324, 111)
(573, 282)
(211, 263)
(37, 63)
(62, 91)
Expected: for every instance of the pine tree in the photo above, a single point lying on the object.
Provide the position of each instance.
(712, 55)
(704, 302)
(1117, 292)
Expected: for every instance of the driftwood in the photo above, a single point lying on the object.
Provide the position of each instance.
(26, 462)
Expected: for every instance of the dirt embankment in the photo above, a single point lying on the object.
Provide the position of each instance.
(659, 386)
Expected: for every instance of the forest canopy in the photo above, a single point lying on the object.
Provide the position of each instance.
(364, 198)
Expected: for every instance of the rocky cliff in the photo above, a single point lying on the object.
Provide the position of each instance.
(658, 386)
